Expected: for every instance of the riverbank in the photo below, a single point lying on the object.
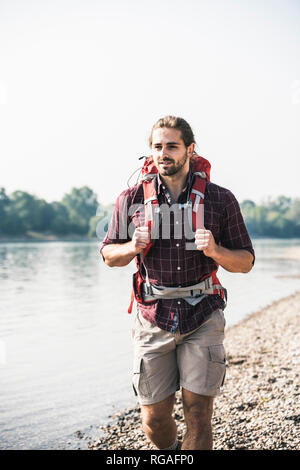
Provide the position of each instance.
(259, 404)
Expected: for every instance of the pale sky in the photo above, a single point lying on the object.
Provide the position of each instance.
(82, 83)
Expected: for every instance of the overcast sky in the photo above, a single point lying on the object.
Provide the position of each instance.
(82, 82)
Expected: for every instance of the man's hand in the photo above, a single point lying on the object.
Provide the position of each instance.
(234, 261)
(205, 241)
(121, 254)
(141, 238)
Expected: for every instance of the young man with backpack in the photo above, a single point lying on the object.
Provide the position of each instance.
(179, 227)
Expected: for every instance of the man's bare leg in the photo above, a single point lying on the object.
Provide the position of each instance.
(198, 411)
(158, 423)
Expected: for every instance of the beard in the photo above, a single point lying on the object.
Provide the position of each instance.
(173, 167)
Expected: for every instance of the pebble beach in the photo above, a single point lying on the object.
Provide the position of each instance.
(258, 408)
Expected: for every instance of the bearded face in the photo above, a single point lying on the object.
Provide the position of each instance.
(169, 152)
(169, 167)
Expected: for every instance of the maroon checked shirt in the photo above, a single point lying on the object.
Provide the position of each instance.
(168, 262)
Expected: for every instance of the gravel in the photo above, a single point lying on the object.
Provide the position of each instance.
(259, 404)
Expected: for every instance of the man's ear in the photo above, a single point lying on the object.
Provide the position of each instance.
(191, 149)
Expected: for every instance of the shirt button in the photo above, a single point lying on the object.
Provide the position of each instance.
(178, 268)
(179, 302)
(177, 244)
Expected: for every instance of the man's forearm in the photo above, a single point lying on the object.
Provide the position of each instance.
(119, 254)
(235, 261)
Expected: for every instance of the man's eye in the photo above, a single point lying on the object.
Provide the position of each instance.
(169, 147)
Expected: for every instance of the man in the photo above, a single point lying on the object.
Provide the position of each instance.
(178, 341)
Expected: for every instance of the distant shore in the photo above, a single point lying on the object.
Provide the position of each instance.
(259, 404)
(41, 237)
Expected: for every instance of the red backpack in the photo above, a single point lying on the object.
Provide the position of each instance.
(201, 173)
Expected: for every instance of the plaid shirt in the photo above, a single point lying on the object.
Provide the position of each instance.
(168, 262)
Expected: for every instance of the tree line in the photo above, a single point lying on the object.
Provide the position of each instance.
(278, 217)
(21, 212)
(79, 212)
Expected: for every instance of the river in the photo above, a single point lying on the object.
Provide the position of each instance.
(65, 335)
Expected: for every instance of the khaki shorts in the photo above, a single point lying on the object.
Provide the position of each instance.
(164, 361)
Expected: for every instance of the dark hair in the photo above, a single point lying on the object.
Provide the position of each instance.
(173, 122)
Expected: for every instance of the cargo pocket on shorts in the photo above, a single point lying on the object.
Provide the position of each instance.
(140, 382)
(216, 367)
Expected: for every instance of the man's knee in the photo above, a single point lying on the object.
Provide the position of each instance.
(158, 415)
(198, 420)
(197, 409)
(155, 421)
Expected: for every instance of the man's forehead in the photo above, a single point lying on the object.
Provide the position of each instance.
(166, 135)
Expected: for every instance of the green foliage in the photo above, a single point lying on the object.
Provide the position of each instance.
(81, 205)
(22, 212)
(4, 206)
(278, 217)
(60, 223)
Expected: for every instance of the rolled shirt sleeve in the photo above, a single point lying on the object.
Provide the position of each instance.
(234, 234)
(118, 227)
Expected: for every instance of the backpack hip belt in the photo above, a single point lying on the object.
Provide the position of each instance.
(192, 294)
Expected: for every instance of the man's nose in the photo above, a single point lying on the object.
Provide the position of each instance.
(163, 152)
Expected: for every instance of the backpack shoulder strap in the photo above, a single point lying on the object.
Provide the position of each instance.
(197, 195)
(151, 204)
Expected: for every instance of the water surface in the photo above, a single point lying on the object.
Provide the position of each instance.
(66, 333)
